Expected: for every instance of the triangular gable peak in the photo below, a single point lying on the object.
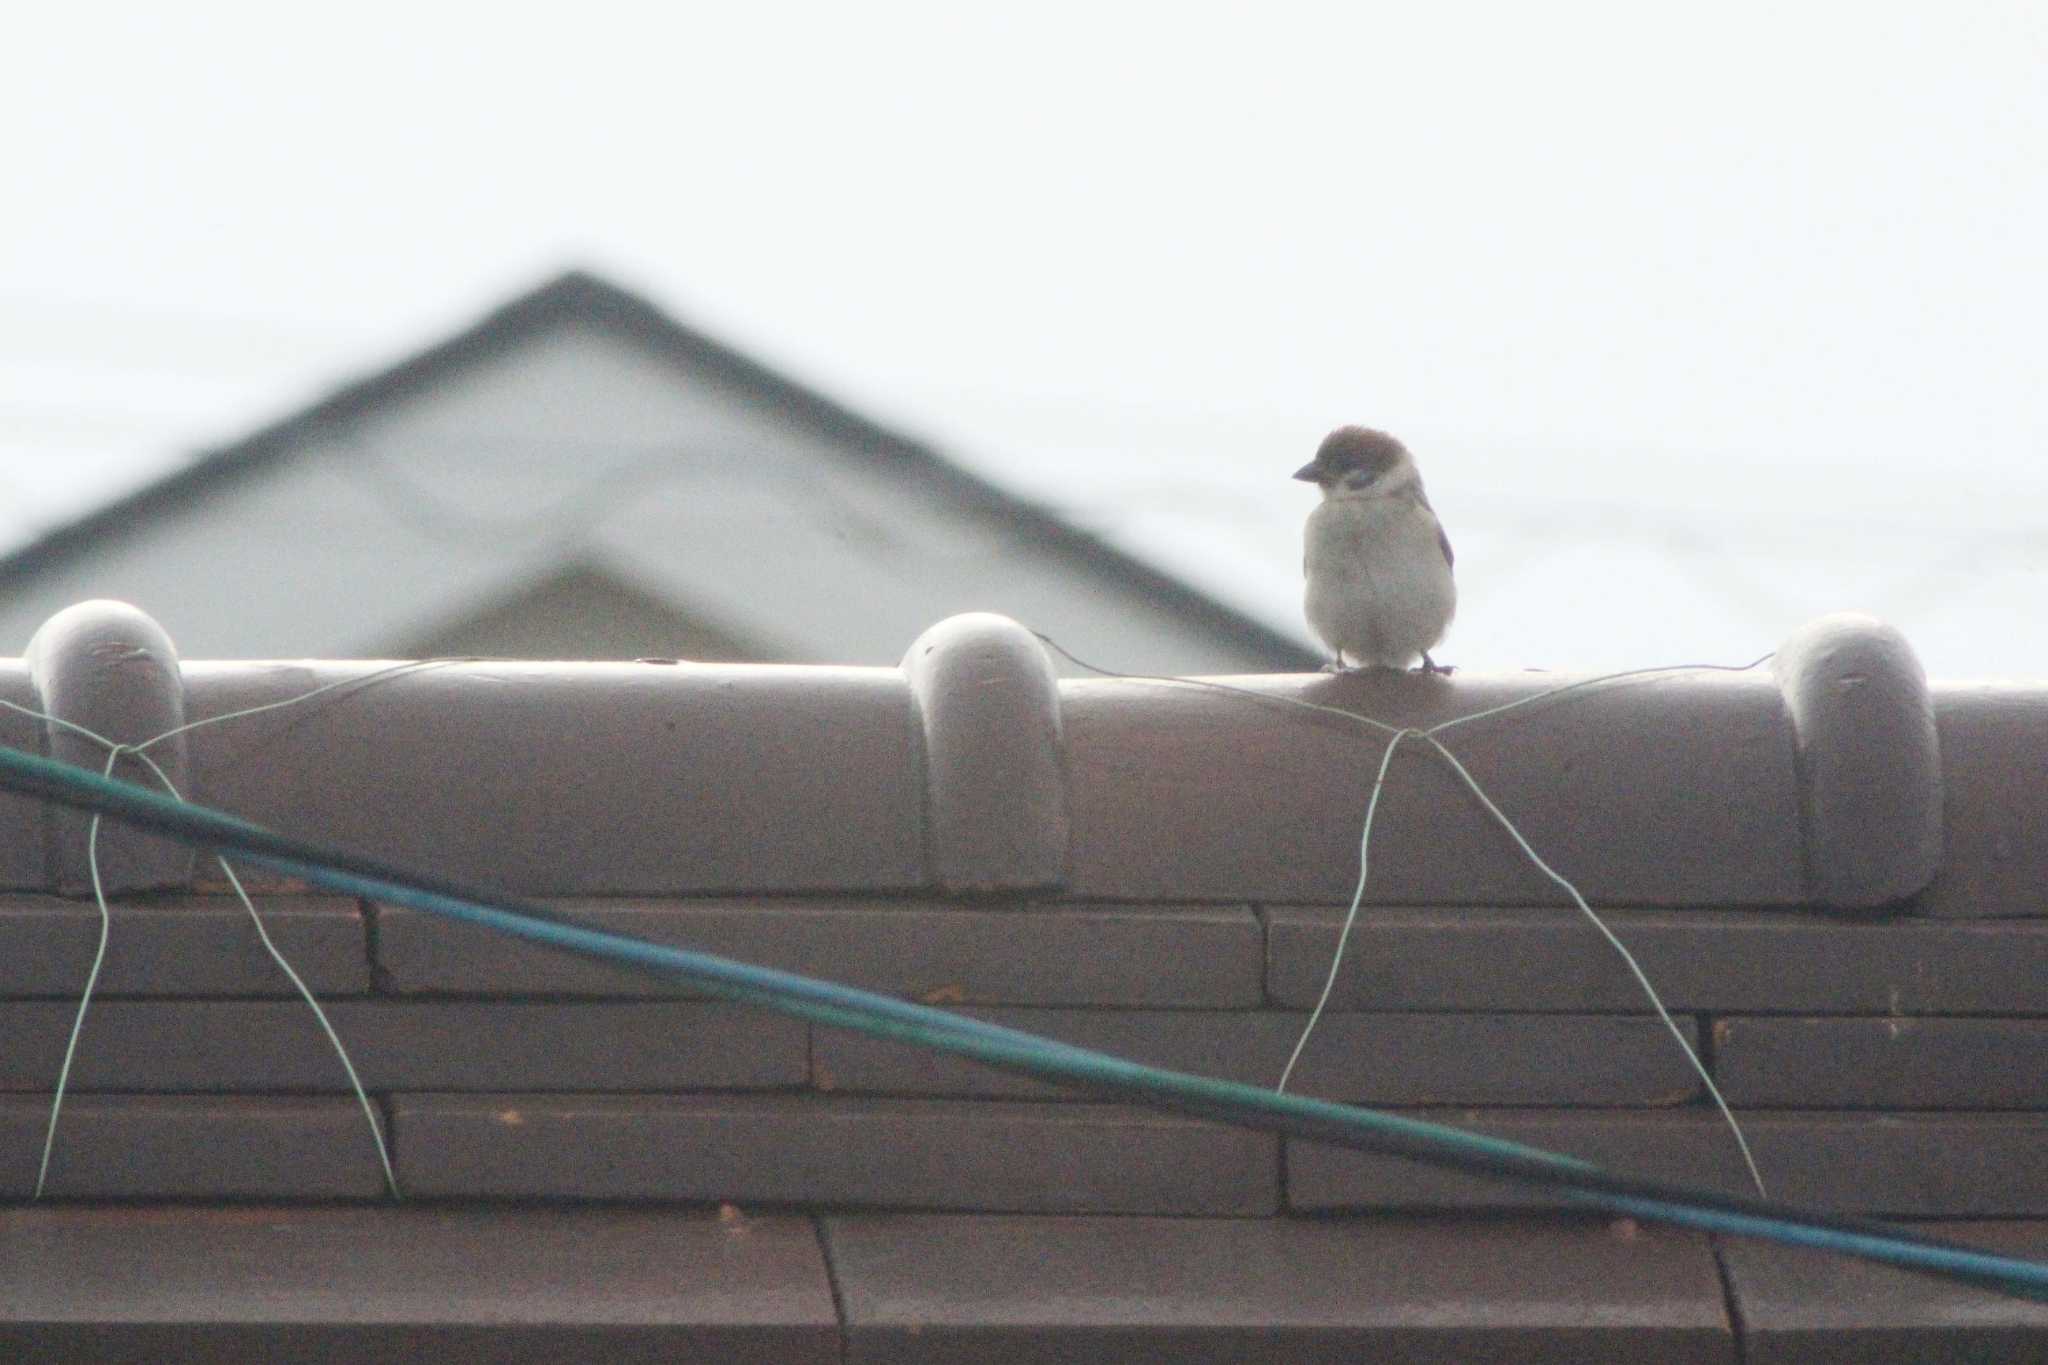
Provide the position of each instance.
(579, 431)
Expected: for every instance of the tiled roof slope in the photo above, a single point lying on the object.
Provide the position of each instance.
(1836, 875)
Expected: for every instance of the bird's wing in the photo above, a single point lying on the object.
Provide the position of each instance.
(1443, 542)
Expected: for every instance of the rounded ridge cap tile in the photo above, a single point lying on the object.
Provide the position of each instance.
(105, 668)
(1869, 760)
(996, 809)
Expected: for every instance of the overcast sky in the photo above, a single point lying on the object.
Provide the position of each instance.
(1701, 319)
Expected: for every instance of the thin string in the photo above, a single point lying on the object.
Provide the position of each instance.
(1583, 683)
(1430, 733)
(92, 980)
(362, 680)
(1635, 968)
(1379, 784)
(298, 984)
(305, 992)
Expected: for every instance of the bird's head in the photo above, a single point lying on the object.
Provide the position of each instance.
(1358, 461)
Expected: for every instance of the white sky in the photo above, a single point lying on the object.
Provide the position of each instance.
(1703, 320)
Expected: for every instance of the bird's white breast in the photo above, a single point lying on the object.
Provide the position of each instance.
(1379, 589)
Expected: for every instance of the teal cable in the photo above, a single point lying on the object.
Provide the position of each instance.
(1012, 1049)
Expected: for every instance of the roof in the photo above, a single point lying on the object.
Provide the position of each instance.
(1832, 872)
(580, 298)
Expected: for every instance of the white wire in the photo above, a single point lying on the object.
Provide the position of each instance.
(92, 980)
(407, 666)
(298, 984)
(1398, 733)
(1357, 894)
(114, 752)
(1628, 957)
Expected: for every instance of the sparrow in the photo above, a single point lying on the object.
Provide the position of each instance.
(1377, 560)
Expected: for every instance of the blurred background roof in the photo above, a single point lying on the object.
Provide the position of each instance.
(581, 476)
(1699, 326)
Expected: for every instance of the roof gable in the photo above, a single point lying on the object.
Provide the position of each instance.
(580, 310)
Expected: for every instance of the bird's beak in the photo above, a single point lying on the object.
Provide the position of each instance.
(1308, 473)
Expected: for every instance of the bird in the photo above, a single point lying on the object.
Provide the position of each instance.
(1378, 564)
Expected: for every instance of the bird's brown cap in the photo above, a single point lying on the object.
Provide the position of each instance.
(1349, 448)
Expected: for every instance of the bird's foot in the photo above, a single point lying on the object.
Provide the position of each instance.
(1431, 666)
(1335, 666)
